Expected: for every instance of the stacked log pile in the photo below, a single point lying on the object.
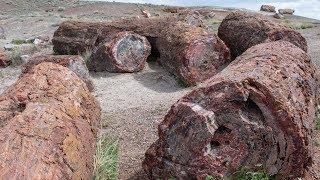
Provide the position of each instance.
(259, 112)
(48, 121)
(242, 30)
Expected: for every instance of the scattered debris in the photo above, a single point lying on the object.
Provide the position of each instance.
(242, 30)
(50, 122)
(242, 117)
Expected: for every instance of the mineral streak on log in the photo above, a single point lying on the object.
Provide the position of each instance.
(242, 30)
(259, 112)
(122, 52)
(48, 121)
(192, 53)
(74, 62)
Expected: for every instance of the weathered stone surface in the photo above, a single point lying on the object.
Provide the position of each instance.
(242, 30)
(286, 11)
(259, 112)
(73, 37)
(73, 62)
(122, 52)
(187, 51)
(48, 121)
(191, 53)
(4, 59)
(268, 8)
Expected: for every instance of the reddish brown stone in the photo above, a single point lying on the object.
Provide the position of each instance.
(259, 112)
(268, 8)
(192, 53)
(48, 121)
(122, 52)
(242, 30)
(4, 59)
(74, 63)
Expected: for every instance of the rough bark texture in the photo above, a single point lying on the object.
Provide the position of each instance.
(242, 30)
(122, 52)
(191, 53)
(4, 59)
(48, 121)
(74, 37)
(259, 112)
(74, 63)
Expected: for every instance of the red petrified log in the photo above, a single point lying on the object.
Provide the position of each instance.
(191, 53)
(242, 30)
(259, 112)
(74, 63)
(122, 52)
(48, 121)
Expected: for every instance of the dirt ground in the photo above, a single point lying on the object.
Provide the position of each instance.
(132, 104)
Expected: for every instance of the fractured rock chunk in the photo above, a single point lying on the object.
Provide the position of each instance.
(122, 52)
(74, 62)
(192, 53)
(268, 8)
(242, 30)
(258, 112)
(48, 122)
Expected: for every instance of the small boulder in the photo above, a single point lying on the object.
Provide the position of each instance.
(286, 11)
(146, 14)
(268, 8)
(8, 47)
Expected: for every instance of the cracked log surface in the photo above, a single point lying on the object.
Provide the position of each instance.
(189, 52)
(242, 30)
(259, 112)
(121, 52)
(192, 53)
(74, 37)
(74, 62)
(48, 122)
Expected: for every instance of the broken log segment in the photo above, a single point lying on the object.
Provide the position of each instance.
(74, 62)
(122, 52)
(242, 30)
(192, 53)
(74, 37)
(259, 112)
(48, 125)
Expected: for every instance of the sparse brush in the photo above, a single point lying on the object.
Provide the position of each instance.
(1, 74)
(15, 57)
(318, 120)
(245, 174)
(106, 159)
(18, 41)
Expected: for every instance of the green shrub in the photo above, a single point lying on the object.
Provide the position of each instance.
(106, 159)
(244, 174)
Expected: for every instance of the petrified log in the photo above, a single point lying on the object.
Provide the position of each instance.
(74, 63)
(73, 37)
(192, 53)
(242, 30)
(268, 8)
(48, 121)
(259, 112)
(122, 52)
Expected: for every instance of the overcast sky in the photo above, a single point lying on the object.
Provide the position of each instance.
(308, 8)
